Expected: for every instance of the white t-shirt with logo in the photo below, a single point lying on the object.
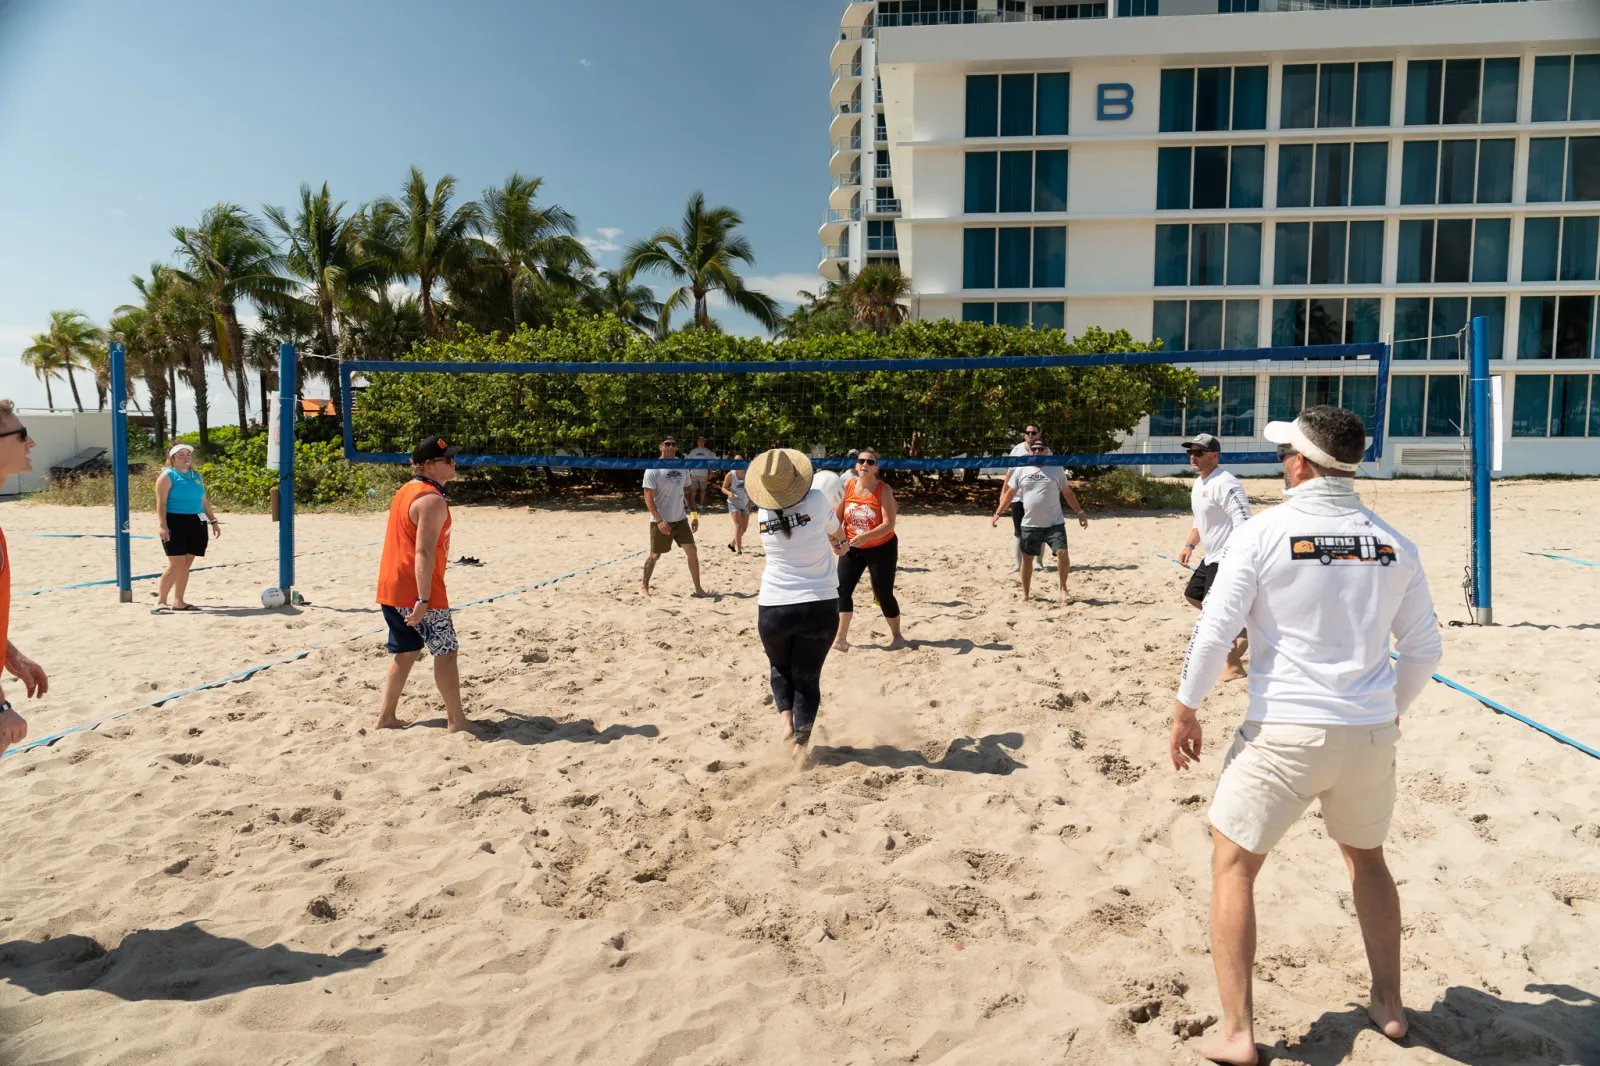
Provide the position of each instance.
(801, 568)
(668, 487)
(700, 453)
(1039, 489)
(1220, 506)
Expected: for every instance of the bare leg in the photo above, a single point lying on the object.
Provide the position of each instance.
(180, 579)
(649, 568)
(447, 675)
(1233, 951)
(693, 556)
(1063, 568)
(168, 575)
(1235, 668)
(1027, 574)
(399, 670)
(841, 642)
(1016, 547)
(787, 720)
(1378, 908)
(896, 641)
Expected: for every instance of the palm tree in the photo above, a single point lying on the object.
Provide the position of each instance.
(296, 323)
(701, 256)
(73, 339)
(823, 313)
(183, 323)
(45, 362)
(146, 357)
(535, 247)
(616, 294)
(419, 236)
(324, 252)
(387, 329)
(874, 297)
(230, 257)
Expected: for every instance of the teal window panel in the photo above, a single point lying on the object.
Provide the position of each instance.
(982, 189)
(983, 105)
(1569, 405)
(1366, 252)
(1491, 249)
(1462, 81)
(1406, 392)
(1054, 91)
(1369, 173)
(1170, 325)
(1496, 160)
(978, 312)
(1284, 392)
(1500, 79)
(1205, 325)
(1049, 257)
(1050, 181)
(1291, 253)
(1239, 406)
(1374, 88)
(1419, 172)
(1249, 98)
(1530, 405)
(1541, 240)
(1173, 178)
(1294, 175)
(1014, 257)
(1444, 405)
(1244, 253)
(1298, 106)
(1547, 159)
(1172, 255)
(1213, 88)
(1411, 327)
(1242, 324)
(1552, 79)
(1536, 334)
(1011, 314)
(1016, 181)
(1246, 175)
(1177, 100)
(1328, 252)
(1492, 308)
(1336, 95)
(1424, 83)
(1049, 314)
(1016, 105)
(978, 258)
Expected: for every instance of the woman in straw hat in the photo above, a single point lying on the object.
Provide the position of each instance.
(798, 612)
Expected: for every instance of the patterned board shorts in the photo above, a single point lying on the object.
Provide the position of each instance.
(436, 632)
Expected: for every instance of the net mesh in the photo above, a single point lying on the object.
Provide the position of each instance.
(947, 413)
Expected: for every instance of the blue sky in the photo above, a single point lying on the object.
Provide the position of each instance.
(122, 118)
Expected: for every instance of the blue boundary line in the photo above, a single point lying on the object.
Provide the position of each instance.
(106, 536)
(253, 670)
(1377, 352)
(194, 570)
(1498, 708)
(1563, 558)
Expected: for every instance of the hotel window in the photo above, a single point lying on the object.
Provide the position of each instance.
(1453, 250)
(881, 236)
(1325, 320)
(1230, 412)
(1016, 181)
(1333, 175)
(1563, 168)
(1132, 9)
(1052, 12)
(1426, 405)
(1560, 249)
(1457, 172)
(1210, 177)
(1566, 88)
(1328, 253)
(926, 12)
(1015, 257)
(1331, 95)
(1455, 92)
(1213, 98)
(1555, 405)
(1289, 394)
(1206, 325)
(1040, 314)
(1235, 7)
(1425, 327)
(1017, 105)
(1210, 253)
(1557, 327)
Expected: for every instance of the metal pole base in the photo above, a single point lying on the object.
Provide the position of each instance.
(126, 596)
(1483, 616)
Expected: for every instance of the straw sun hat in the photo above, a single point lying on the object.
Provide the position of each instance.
(778, 478)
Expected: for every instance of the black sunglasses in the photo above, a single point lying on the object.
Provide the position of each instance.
(20, 431)
(1030, 433)
(866, 462)
(1197, 451)
(1284, 451)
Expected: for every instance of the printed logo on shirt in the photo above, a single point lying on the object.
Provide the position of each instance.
(670, 475)
(1329, 549)
(793, 521)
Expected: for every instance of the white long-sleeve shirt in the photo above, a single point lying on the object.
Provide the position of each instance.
(1321, 594)
(1220, 506)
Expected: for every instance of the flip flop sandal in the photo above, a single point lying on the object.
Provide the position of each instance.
(187, 607)
(163, 609)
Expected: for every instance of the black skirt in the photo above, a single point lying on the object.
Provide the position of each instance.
(189, 535)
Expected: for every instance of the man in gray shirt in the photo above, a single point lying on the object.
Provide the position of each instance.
(663, 496)
(1041, 490)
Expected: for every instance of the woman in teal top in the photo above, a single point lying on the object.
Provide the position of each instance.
(180, 501)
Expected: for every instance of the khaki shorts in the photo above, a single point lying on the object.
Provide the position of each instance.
(1274, 770)
(661, 543)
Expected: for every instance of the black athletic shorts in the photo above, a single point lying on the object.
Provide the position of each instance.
(187, 535)
(1200, 581)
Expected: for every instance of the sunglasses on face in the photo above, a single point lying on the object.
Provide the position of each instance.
(1195, 451)
(866, 462)
(1284, 451)
(1030, 433)
(21, 431)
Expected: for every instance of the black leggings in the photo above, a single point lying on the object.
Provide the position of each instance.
(881, 562)
(797, 637)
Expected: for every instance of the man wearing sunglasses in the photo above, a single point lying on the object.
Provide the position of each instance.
(15, 444)
(416, 547)
(1220, 506)
(1030, 437)
(1041, 489)
(1323, 585)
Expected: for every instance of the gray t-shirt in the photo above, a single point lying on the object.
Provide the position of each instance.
(668, 487)
(1039, 489)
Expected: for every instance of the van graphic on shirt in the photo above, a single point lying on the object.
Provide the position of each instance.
(1325, 549)
(793, 521)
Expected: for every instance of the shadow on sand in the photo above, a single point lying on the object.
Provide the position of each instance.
(985, 755)
(181, 963)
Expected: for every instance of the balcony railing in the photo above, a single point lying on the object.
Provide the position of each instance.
(844, 181)
(883, 244)
(834, 251)
(881, 171)
(855, 33)
(1046, 13)
(849, 214)
(883, 207)
(847, 70)
(880, 135)
(850, 107)
(848, 144)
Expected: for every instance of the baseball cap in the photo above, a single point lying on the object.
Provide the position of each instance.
(669, 439)
(431, 448)
(1204, 441)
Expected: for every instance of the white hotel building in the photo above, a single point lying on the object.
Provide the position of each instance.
(1243, 173)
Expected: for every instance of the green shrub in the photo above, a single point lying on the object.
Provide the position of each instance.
(1124, 489)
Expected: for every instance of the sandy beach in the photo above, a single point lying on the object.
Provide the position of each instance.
(990, 861)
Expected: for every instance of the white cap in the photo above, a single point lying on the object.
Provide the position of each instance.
(176, 448)
(1294, 436)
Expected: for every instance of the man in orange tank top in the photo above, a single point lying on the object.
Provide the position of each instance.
(416, 546)
(15, 444)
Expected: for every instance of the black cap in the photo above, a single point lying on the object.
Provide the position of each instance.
(669, 439)
(1206, 442)
(431, 448)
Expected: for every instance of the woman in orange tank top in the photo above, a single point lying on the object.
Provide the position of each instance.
(868, 512)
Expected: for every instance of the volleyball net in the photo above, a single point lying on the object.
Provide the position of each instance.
(948, 413)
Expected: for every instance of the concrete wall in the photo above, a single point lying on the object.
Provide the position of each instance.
(60, 436)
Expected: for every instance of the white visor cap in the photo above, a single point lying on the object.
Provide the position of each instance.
(1295, 437)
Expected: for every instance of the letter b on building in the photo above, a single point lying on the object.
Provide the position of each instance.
(1115, 101)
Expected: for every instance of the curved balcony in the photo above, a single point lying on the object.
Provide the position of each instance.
(844, 122)
(834, 222)
(846, 80)
(848, 44)
(846, 150)
(845, 190)
(834, 251)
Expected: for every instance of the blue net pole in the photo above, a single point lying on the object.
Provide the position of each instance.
(287, 410)
(1482, 451)
(119, 468)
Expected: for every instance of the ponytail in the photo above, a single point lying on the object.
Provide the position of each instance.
(783, 523)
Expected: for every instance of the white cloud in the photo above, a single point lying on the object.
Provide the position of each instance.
(610, 233)
(18, 336)
(606, 242)
(585, 64)
(785, 288)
